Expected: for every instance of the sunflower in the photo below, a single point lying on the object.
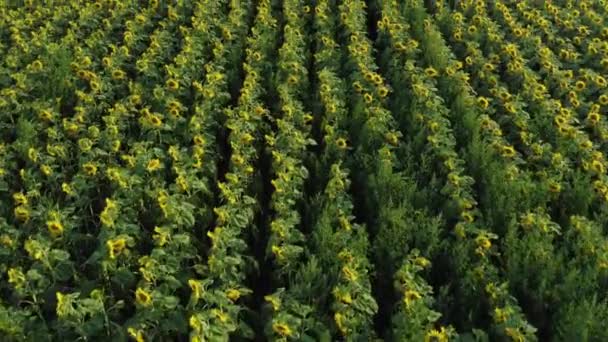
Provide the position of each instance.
(500, 315)
(483, 102)
(172, 84)
(392, 138)
(20, 199)
(383, 92)
(274, 301)
(155, 120)
(349, 273)
(153, 165)
(580, 85)
(431, 72)
(434, 335)
(586, 144)
(116, 247)
(593, 118)
(467, 216)
(507, 151)
(196, 287)
(55, 228)
(143, 297)
(597, 166)
(457, 36)
(16, 277)
(554, 186)
(340, 322)
(483, 242)
(282, 329)
(410, 297)
(118, 74)
(136, 334)
(233, 294)
(90, 168)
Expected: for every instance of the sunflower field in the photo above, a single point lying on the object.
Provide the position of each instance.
(303, 170)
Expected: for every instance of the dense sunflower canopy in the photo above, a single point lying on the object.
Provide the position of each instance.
(303, 170)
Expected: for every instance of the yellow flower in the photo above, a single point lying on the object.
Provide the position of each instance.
(46, 115)
(155, 120)
(90, 168)
(586, 144)
(340, 322)
(282, 329)
(153, 165)
(580, 85)
(597, 166)
(233, 294)
(392, 138)
(431, 72)
(274, 301)
(278, 252)
(593, 118)
(483, 242)
(20, 199)
(603, 99)
(136, 334)
(483, 102)
(554, 186)
(196, 287)
(434, 335)
(467, 216)
(108, 214)
(343, 296)
(422, 262)
(64, 306)
(349, 273)
(368, 98)
(220, 315)
(32, 154)
(410, 297)
(341, 143)
(510, 107)
(383, 92)
(172, 84)
(116, 247)
(198, 140)
(377, 79)
(135, 100)
(6, 241)
(16, 278)
(500, 315)
(195, 324)
(37, 65)
(95, 85)
(46, 170)
(22, 213)
(489, 67)
(55, 228)
(118, 74)
(67, 189)
(143, 297)
(507, 151)
(514, 334)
